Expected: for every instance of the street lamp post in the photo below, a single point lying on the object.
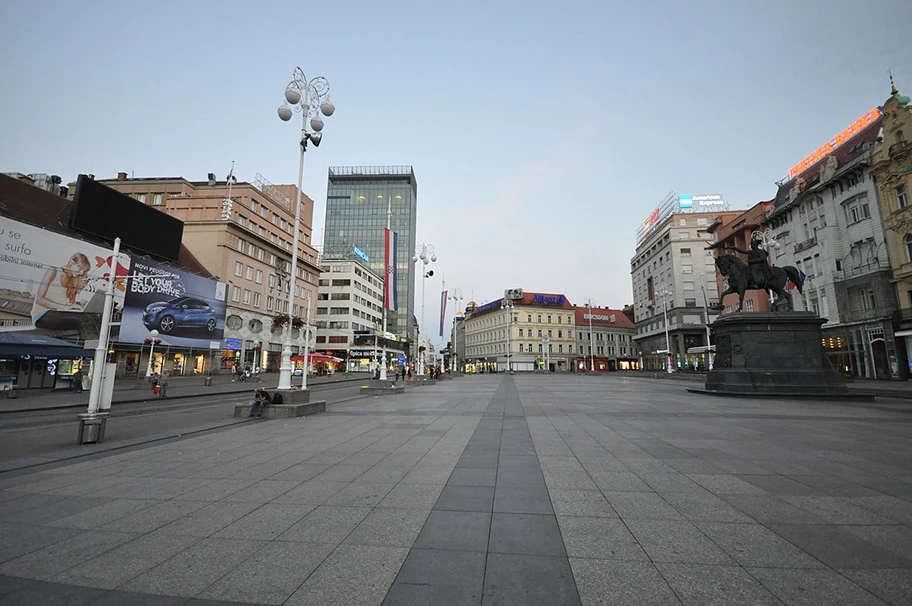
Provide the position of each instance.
(589, 304)
(256, 349)
(152, 340)
(455, 295)
(426, 254)
(310, 98)
(668, 357)
(546, 339)
(507, 304)
(306, 344)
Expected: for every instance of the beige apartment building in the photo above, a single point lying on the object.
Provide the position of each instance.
(242, 233)
(892, 171)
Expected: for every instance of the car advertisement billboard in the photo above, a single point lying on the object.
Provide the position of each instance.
(53, 283)
(186, 309)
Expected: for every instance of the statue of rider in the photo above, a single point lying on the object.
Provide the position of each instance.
(757, 262)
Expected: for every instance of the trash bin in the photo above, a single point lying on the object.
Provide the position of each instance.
(208, 381)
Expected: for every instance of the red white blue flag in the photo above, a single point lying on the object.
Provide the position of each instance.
(390, 245)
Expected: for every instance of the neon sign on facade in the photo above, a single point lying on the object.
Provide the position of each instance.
(827, 148)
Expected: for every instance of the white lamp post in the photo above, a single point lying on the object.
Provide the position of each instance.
(256, 348)
(455, 295)
(426, 254)
(310, 98)
(507, 304)
(154, 337)
(668, 357)
(589, 304)
(306, 344)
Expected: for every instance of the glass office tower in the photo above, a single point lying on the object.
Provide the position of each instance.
(357, 201)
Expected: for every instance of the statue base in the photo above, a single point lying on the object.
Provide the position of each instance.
(772, 354)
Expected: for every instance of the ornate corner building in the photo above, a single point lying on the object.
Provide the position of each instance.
(892, 172)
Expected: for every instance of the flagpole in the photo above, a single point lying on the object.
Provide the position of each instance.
(386, 287)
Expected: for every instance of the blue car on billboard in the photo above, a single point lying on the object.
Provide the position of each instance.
(182, 312)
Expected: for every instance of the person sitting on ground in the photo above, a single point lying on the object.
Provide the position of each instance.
(260, 400)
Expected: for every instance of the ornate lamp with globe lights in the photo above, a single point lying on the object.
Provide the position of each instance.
(424, 253)
(310, 98)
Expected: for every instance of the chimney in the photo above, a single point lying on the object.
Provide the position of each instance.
(121, 176)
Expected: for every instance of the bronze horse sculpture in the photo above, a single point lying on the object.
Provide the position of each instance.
(740, 280)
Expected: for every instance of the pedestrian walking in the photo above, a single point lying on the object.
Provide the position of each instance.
(398, 374)
(163, 384)
(409, 374)
(77, 380)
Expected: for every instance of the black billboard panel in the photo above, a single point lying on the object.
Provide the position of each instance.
(106, 213)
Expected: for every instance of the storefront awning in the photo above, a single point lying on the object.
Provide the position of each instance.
(22, 344)
(903, 333)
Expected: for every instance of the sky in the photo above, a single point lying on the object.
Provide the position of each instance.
(541, 133)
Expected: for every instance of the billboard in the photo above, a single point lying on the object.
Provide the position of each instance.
(830, 146)
(105, 212)
(53, 283)
(186, 309)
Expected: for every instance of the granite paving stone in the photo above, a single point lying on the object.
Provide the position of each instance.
(817, 587)
(271, 575)
(529, 534)
(619, 481)
(412, 496)
(507, 580)
(262, 522)
(705, 507)
(836, 510)
(465, 498)
(518, 499)
(326, 525)
(50, 561)
(642, 505)
(599, 538)
(677, 541)
(352, 574)
(724, 483)
(389, 527)
(770, 509)
(757, 545)
(839, 548)
(18, 540)
(702, 585)
(897, 539)
(589, 503)
(208, 520)
(621, 582)
(455, 530)
(439, 577)
(465, 476)
(892, 585)
(191, 571)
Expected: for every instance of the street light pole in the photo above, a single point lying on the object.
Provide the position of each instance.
(426, 254)
(306, 344)
(310, 98)
(455, 295)
(154, 337)
(589, 304)
(668, 356)
(507, 304)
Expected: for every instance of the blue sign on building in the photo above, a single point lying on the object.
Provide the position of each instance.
(234, 344)
(361, 254)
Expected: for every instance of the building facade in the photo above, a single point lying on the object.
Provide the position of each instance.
(350, 312)
(359, 203)
(242, 233)
(827, 220)
(674, 281)
(892, 171)
(535, 333)
(604, 340)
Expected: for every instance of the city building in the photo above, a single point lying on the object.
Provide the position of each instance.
(242, 233)
(456, 349)
(359, 202)
(892, 171)
(604, 340)
(738, 233)
(350, 313)
(524, 331)
(674, 281)
(827, 221)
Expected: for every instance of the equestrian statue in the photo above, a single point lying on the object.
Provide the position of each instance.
(757, 274)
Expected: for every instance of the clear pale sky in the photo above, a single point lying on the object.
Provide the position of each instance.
(541, 133)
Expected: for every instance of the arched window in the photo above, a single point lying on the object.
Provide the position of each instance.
(908, 242)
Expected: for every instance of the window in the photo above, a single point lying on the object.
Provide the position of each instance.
(235, 293)
(902, 199)
(249, 274)
(907, 241)
(683, 235)
(685, 252)
(141, 198)
(240, 245)
(238, 268)
(157, 199)
(549, 319)
(269, 303)
(687, 268)
(246, 297)
(529, 318)
(520, 332)
(260, 254)
(256, 299)
(560, 334)
(259, 276)
(250, 249)
(749, 305)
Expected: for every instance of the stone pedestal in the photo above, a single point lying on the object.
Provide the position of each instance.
(379, 387)
(772, 354)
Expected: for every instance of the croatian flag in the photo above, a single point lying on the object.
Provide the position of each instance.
(443, 300)
(390, 244)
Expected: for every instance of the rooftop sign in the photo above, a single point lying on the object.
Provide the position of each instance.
(673, 203)
(827, 148)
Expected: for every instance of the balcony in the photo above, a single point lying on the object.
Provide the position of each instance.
(805, 245)
(899, 148)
